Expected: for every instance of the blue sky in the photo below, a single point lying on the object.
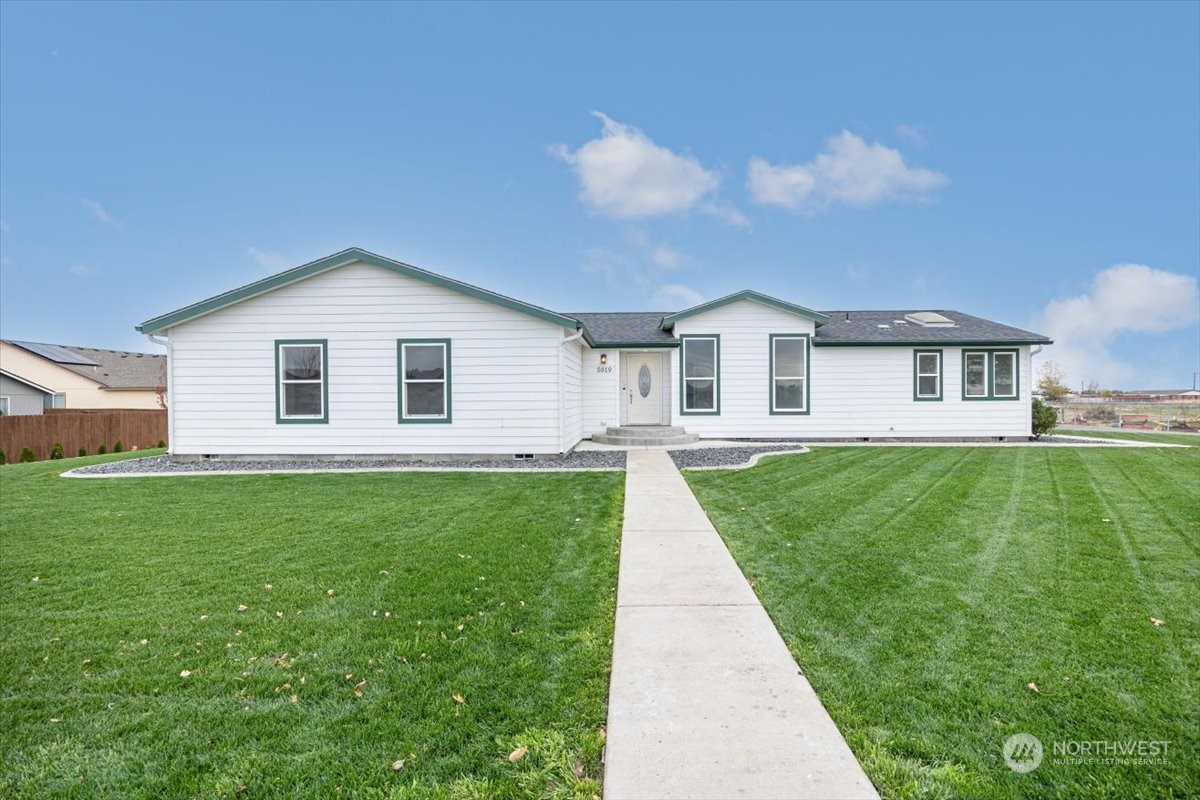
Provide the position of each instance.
(1037, 164)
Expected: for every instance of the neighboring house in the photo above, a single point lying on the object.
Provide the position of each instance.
(36, 376)
(357, 354)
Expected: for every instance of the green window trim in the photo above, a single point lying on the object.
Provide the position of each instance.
(772, 378)
(715, 338)
(940, 375)
(990, 357)
(280, 418)
(402, 415)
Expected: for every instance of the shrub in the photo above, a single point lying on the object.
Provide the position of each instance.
(161, 443)
(82, 451)
(1045, 418)
(3, 458)
(56, 452)
(27, 456)
(101, 450)
(118, 447)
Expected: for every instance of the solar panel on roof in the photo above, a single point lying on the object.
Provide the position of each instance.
(55, 353)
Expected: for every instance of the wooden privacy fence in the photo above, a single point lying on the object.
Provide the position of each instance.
(79, 428)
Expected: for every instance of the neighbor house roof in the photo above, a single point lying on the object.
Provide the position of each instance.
(897, 327)
(26, 381)
(347, 256)
(112, 369)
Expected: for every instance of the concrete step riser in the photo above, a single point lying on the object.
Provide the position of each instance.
(649, 431)
(645, 441)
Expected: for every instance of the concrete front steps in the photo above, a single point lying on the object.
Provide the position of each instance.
(645, 436)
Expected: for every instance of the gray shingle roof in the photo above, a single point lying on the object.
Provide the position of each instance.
(855, 327)
(862, 327)
(113, 369)
(625, 328)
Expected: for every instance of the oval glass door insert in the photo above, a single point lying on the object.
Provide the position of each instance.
(644, 380)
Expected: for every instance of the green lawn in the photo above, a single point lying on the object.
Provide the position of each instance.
(441, 619)
(1189, 439)
(924, 590)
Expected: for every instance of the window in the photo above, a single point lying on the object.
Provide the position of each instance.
(424, 380)
(4, 407)
(54, 401)
(927, 375)
(302, 393)
(700, 365)
(789, 373)
(990, 375)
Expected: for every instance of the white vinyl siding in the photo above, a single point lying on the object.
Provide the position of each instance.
(572, 413)
(601, 390)
(854, 392)
(505, 371)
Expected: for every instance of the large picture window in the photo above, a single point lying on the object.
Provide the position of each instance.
(927, 375)
(302, 391)
(700, 365)
(990, 375)
(789, 373)
(424, 380)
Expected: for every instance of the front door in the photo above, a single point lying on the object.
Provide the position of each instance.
(643, 388)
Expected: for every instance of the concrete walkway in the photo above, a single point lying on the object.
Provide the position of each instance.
(706, 701)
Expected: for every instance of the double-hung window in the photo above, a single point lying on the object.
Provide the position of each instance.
(4, 406)
(700, 365)
(301, 378)
(789, 373)
(424, 380)
(990, 375)
(927, 375)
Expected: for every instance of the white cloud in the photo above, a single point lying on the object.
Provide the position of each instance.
(676, 297)
(624, 174)
(1126, 298)
(913, 134)
(268, 259)
(848, 171)
(100, 212)
(666, 257)
(82, 271)
(726, 213)
(857, 273)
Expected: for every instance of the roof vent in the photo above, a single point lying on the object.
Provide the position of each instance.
(930, 319)
(881, 325)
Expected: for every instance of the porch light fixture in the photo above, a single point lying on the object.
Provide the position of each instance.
(604, 358)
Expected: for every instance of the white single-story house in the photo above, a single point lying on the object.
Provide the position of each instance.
(360, 355)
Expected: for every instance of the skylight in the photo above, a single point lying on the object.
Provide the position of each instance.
(930, 319)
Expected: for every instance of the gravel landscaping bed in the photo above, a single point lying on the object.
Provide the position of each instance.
(164, 465)
(728, 456)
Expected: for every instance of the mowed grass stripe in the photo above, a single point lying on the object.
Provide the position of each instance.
(921, 622)
(499, 588)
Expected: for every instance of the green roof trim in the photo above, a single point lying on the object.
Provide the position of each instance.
(931, 342)
(746, 294)
(348, 256)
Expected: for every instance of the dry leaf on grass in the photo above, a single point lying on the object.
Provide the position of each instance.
(358, 687)
(398, 765)
(241, 608)
(187, 673)
(517, 755)
(1033, 688)
(458, 698)
(329, 593)
(1158, 623)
